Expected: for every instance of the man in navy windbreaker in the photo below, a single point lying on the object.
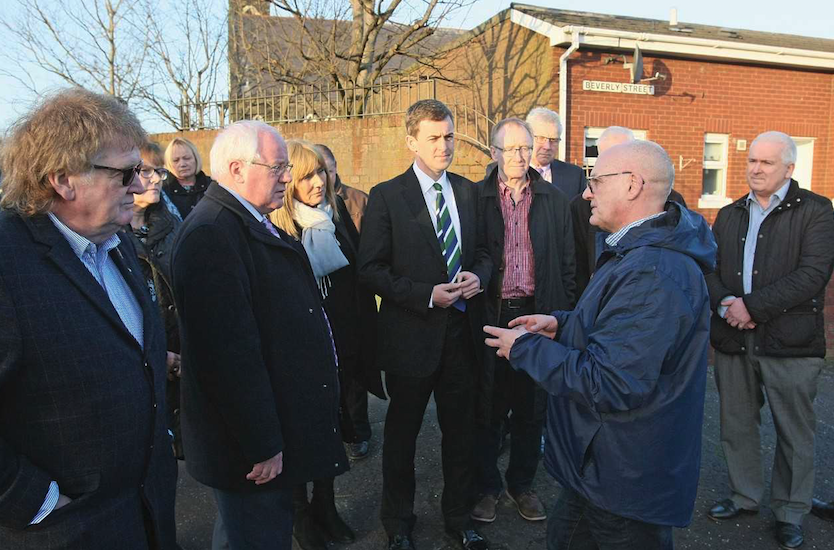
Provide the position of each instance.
(626, 370)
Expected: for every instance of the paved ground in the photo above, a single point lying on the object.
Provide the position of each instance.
(358, 494)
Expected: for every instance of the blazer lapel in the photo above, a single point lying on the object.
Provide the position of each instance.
(413, 195)
(60, 253)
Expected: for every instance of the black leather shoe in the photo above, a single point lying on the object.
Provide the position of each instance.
(400, 542)
(727, 509)
(358, 451)
(789, 535)
(470, 539)
(306, 533)
(824, 510)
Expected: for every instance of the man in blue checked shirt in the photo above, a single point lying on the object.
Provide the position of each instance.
(85, 459)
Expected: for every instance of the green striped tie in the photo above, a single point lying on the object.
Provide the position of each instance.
(449, 245)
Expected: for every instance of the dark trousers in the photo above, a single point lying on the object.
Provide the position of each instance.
(253, 521)
(453, 387)
(355, 408)
(512, 391)
(576, 524)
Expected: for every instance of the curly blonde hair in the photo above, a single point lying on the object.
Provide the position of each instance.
(64, 133)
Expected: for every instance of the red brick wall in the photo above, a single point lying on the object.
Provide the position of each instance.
(368, 151)
(699, 97)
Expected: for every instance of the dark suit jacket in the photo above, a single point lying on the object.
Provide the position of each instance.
(568, 178)
(259, 375)
(400, 260)
(81, 402)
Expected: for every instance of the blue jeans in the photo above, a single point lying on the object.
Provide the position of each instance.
(576, 524)
(253, 521)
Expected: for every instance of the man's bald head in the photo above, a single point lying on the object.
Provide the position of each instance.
(613, 135)
(648, 160)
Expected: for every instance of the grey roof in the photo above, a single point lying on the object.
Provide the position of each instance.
(637, 24)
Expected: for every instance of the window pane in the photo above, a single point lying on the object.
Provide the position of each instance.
(712, 182)
(713, 152)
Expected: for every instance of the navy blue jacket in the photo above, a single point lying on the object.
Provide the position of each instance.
(627, 375)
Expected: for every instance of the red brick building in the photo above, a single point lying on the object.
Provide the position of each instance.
(703, 92)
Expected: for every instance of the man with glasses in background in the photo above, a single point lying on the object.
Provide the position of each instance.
(626, 369)
(528, 232)
(547, 133)
(85, 456)
(260, 392)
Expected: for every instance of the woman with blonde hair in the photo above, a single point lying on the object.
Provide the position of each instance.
(314, 214)
(186, 182)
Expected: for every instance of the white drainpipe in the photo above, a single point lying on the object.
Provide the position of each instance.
(563, 92)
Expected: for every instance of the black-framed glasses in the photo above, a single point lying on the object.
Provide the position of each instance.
(276, 170)
(594, 180)
(148, 171)
(512, 151)
(127, 173)
(545, 139)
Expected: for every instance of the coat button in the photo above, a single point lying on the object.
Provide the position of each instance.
(815, 310)
(755, 272)
(337, 464)
(797, 200)
(324, 385)
(154, 405)
(743, 348)
(743, 239)
(311, 310)
(761, 236)
(334, 430)
(739, 273)
(172, 307)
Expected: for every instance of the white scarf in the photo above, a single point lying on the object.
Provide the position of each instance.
(318, 237)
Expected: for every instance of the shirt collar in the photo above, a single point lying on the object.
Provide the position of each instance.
(425, 180)
(81, 244)
(614, 238)
(780, 194)
(246, 204)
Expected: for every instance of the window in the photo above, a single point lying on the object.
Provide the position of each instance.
(591, 138)
(714, 183)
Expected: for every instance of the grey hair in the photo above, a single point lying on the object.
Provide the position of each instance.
(611, 134)
(545, 115)
(788, 149)
(512, 121)
(238, 141)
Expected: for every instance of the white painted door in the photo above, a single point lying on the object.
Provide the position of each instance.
(804, 161)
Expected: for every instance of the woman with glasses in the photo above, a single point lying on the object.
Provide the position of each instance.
(186, 183)
(314, 214)
(153, 230)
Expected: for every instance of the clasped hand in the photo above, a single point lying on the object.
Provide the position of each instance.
(737, 315)
(504, 338)
(467, 285)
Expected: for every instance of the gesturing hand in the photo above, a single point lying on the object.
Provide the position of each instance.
(266, 471)
(504, 339)
(546, 325)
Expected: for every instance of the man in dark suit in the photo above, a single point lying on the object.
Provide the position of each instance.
(584, 233)
(547, 132)
(85, 456)
(260, 394)
(421, 253)
(528, 232)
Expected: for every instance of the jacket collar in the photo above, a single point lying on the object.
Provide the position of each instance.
(792, 198)
(218, 194)
(537, 184)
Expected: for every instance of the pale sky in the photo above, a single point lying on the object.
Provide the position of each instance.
(806, 17)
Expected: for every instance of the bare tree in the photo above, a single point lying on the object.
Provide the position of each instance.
(340, 44)
(188, 46)
(155, 56)
(90, 44)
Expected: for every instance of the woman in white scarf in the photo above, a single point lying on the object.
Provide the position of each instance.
(314, 214)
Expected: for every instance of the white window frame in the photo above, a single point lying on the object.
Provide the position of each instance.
(719, 199)
(593, 132)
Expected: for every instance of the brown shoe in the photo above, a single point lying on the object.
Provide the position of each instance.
(484, 511)
(529, 506)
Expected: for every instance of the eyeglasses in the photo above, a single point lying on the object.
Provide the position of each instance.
(594, 180)
(147, 172)
(511, 152)
(275, 170)
(545, 139)
(127, 173)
